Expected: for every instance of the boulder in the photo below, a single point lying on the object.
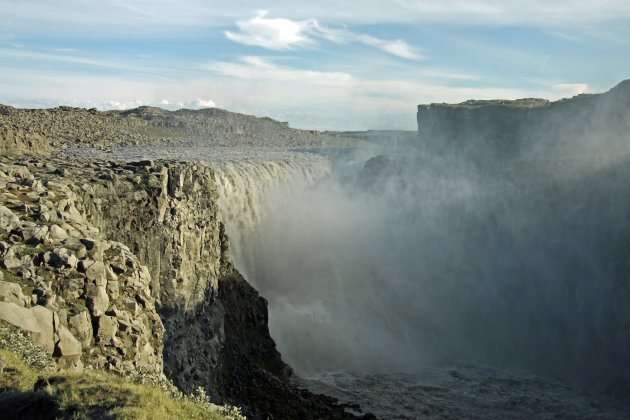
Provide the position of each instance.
(37, 321)
(69, 351)
(96, 273)
(97, 299)
(81, 324)
(58, 233)
(67, 347)
(35, 235)
(10, 259)
(113, 289)
(12, 292)
(8, 220)
(63, 257)
(107, 329)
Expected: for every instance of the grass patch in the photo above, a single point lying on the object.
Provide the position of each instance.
(89, 395)
(30, 388)
(25, 390)
(11, 277)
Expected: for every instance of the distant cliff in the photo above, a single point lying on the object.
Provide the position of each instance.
(531, 126)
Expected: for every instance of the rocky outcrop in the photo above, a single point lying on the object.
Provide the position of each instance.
(531, 126)
(42, 130)
(167, 214)
(172, 259)
(85, 299)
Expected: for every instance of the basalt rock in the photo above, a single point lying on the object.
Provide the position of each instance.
(527, 127)
(57, 290)
(163, 297)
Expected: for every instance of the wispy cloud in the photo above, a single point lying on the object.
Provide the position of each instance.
(285, 34)
(397, 47)
(259, 68)
(62, 56)
(158, 16)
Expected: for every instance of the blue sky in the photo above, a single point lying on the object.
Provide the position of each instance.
(319, 65)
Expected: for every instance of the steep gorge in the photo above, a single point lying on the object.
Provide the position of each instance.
(215, 332)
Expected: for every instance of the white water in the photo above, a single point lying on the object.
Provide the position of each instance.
(374, 287)
(366, 281)
(463, 391)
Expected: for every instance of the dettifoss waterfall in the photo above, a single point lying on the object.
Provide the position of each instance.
(436, 287)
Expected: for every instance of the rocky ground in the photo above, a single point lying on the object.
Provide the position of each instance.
(49, 129)
(74, 291)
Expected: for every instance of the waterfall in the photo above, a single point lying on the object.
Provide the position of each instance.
(243, 179)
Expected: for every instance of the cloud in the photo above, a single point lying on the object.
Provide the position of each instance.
(196, 103)
(569, 89)
(274, 34)
(118, 18)
(285, 34)
(259, 68)
(117, 105)
(397, 47)
(200, 103)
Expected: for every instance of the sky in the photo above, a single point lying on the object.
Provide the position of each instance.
(325, 65)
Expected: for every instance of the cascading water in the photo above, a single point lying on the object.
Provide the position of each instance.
(440, 267)
(243, 180)
(435, 287)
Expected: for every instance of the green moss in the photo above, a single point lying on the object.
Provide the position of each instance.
(111, 253)
(25, 284)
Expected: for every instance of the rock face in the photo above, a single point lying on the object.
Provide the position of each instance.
(37, 130)
(167, 214)
(171, 257)
(537, 127)
(85, 299)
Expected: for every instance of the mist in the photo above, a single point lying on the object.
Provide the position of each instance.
(400, 257)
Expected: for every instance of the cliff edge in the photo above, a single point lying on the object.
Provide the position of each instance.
(530, 126)
(125, 267)
(36, 130)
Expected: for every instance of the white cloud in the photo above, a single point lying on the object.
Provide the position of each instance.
(570, 89)
(397, 47)
(285, 34)
(117, 105)
(196, 103)
(275, 34)
(259, 68)
(200, 103)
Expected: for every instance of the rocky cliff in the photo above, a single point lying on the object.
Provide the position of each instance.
(531, 126)
(85, 299)
(162, 297)
(45, 129)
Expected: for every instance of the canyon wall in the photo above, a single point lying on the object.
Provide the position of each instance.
(529, 127)
(163, 294)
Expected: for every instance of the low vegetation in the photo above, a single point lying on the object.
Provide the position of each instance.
(31, 388)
